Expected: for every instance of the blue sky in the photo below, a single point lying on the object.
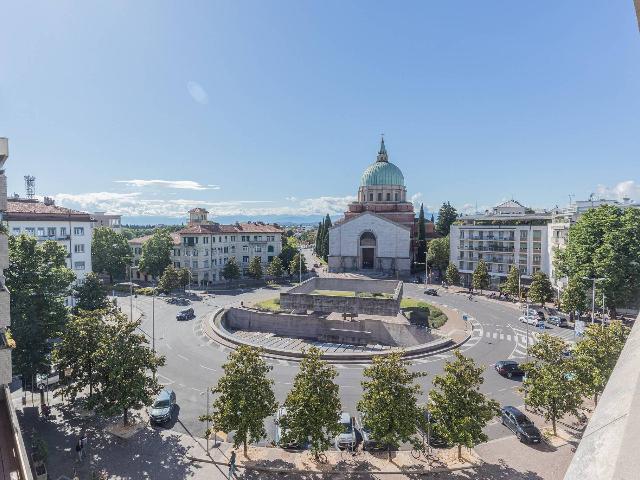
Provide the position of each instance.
(276, 107)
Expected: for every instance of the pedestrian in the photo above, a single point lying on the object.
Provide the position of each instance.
(84, 441)
(79, 450)
(232, 465)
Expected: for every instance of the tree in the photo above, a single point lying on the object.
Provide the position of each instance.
(458, 407)
(82, 338)
(184, 277)
(574, 296)
(126, 361)
(512, 283)
(275, 268)
(446, 216)
(438, 254)
(39, 282)
(313, 405)
(156, 253)
(605, 243)
(390, 400)
(541, 290)
(596, 355)
(170, 279)
(245, 397)
(422, 237)
(452, 275)
(294, 266)
(231, 269)
(325, 237)
(110, 253)
(255, 268)
(551, 386)
(289, 250)
(91, 294)
(481, 276)
(431, 221)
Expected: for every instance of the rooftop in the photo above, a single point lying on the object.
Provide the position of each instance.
(32, 209)
(140, 240)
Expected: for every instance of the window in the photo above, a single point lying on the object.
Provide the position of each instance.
(245, 248)
(461, 233)
(388, 197)
(233, 238)
(205, 264)
(78, 248)
(379, 197)
(371, 197)
(176, 252)
(176, 264)
(205, 240)
(396, 196)
(16, 230)
(63, 231)
(258, 249)
(51, 231)
(523, 234)
(270, 258)
(255, 238)
(270, 249)
(225, 250)
(194, 264)
(536, 259)
(30, 230)
(78, 265)
(225, 239)
(461, 265)
(537, 235)
(78, 230)
(41, 231)
(206, 252)
(245, 259)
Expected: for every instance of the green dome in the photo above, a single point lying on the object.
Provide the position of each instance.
(382, 173)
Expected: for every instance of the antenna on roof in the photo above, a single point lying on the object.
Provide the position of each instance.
(30, 185)
(571, 195)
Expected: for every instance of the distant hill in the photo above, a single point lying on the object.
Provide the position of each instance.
(279, 219)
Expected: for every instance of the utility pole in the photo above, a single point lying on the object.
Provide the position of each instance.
(300, 256)
(593, 295)
(130, 293)
(426, 271)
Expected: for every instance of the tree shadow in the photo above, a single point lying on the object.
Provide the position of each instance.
(487, 471)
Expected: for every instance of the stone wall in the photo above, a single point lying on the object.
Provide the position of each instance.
(313, 327)
(300, 298)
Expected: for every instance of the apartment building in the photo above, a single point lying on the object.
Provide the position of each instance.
(204, 246)
(509, 234)
(47, 221)
(102, 219)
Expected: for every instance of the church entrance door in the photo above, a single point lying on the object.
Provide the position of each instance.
(367, 257)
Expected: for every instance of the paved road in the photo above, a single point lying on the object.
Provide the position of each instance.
(194, 362)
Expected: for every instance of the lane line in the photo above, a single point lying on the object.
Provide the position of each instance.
(208, 368)
(183, 357)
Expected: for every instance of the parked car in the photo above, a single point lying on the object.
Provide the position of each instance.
(540, 314)
(509, 368)
(347, 438)
(519, 423)
(558, 321)
(45, 380)
(431, 291)
(185, 314)
(163, 406)
(533, 320)
(368, 443)
(282, 411)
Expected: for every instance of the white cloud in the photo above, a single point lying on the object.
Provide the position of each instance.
(416, 199)
(179, 184)
(197, 92)
(626, 189)
(134, 204)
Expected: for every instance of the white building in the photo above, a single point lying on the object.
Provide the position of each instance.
(509, 234)
(102, 219)
(47, 221)
(204, 246)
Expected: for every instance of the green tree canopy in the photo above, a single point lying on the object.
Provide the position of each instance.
(446, 216)
(551, 386)
(110, 253)
(126, 368)
(313, 405)
(39, 282)
(460, 410)
(452, 275)
(289, 250)
(170, 280)
(596, 355)
(184, 277)
(512, 283)
(294, 265)
(422, 236)
(438, 254)
(275, 268)
(541, 290)
(156, 253)
(481, 277)
(574, 296)
(390, 400)
(255, 268)
(244, 397)
(605, 242)
(91, 294)
(231, 270)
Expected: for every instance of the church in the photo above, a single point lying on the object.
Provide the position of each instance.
(378, 231)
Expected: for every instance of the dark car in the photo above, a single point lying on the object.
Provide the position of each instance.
(519, 423)
(368, 442)
(540, 314)
(431, 291)
(162, 408)
(509, 368)
(186, 314)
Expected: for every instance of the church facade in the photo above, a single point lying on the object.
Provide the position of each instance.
(378, 230)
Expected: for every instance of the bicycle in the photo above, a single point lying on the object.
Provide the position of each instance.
(422, 450)
(352, 450)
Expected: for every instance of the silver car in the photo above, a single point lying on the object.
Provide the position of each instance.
(162, 408)
(346, 440)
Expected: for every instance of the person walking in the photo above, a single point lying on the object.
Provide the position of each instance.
(79, 449)
(84, 441)
(232, 465)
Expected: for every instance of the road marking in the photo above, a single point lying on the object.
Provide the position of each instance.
(208, 368)
(169, 346)
(183, 357)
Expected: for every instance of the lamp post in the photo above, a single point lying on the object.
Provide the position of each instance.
(426, 271)
(593, 294)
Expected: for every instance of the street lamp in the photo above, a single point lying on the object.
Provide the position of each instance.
(593, 294)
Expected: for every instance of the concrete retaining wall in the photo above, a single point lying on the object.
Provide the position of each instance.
(359, 332)
(300, 298)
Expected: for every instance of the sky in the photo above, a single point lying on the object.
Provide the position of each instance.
(275, 108)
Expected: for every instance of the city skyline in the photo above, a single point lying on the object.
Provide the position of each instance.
(214, 105)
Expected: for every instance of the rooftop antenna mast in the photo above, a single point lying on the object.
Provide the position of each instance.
(571, 195)
(30, 185)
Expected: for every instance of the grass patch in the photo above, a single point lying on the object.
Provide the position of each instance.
(271, 304)
(417, 310)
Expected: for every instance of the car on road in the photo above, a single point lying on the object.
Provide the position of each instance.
(533, 320)
(346, 440)
(162, 409)
(509, 368)
(186, 314)
(431, 291)
(558, 321)
(519, 423)
(45, 380)
(280, 431)
(368, 442)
